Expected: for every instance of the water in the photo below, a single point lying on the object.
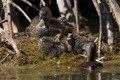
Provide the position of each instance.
(39, 74)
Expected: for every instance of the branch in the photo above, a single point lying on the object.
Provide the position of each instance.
(5, 58)
(30, 4)
(96, 40)
(76, 15)
(43, 2)
(115, 10)
(16, 6)
(8, 12)
(10, 41)
(98, 7)
(95, 3)
(3, 21)
(98, 59)
(2, 9)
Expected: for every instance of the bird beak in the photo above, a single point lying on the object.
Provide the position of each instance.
(41, 17)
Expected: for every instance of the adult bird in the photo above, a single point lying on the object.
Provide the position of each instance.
(49, 26)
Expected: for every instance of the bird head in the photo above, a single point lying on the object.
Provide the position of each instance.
(70, 41)
(43, 39)
(45, 12)
(70, 38)
(63, 20)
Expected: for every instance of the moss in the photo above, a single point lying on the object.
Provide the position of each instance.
(28, 46)
(34, 58)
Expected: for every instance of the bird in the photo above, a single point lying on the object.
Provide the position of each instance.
(85, 47)
(50, 46)
(82, 45)
(50, 25)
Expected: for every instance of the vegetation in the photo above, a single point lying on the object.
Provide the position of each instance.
(28, 46)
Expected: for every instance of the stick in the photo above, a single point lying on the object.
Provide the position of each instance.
(115, 8)
(16, 6)
(31, 5)
(76, 15)
(43, 2)
(9, 17)
(10, 41)
(2, 10)
(82, 55)
(98, 59)
(5, 58)
(3, 21)
(96, 40)
(100, 30)
(97, 4)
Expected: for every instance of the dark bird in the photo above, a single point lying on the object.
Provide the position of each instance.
(81, 45)
(86, 47)
(49, 26)
(53, 47)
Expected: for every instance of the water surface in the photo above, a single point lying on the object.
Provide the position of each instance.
(39, 74)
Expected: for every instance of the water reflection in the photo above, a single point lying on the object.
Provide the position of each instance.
(85, 76)
(32, 74)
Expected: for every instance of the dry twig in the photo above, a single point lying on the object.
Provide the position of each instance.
(30, 4)
(20, 9)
